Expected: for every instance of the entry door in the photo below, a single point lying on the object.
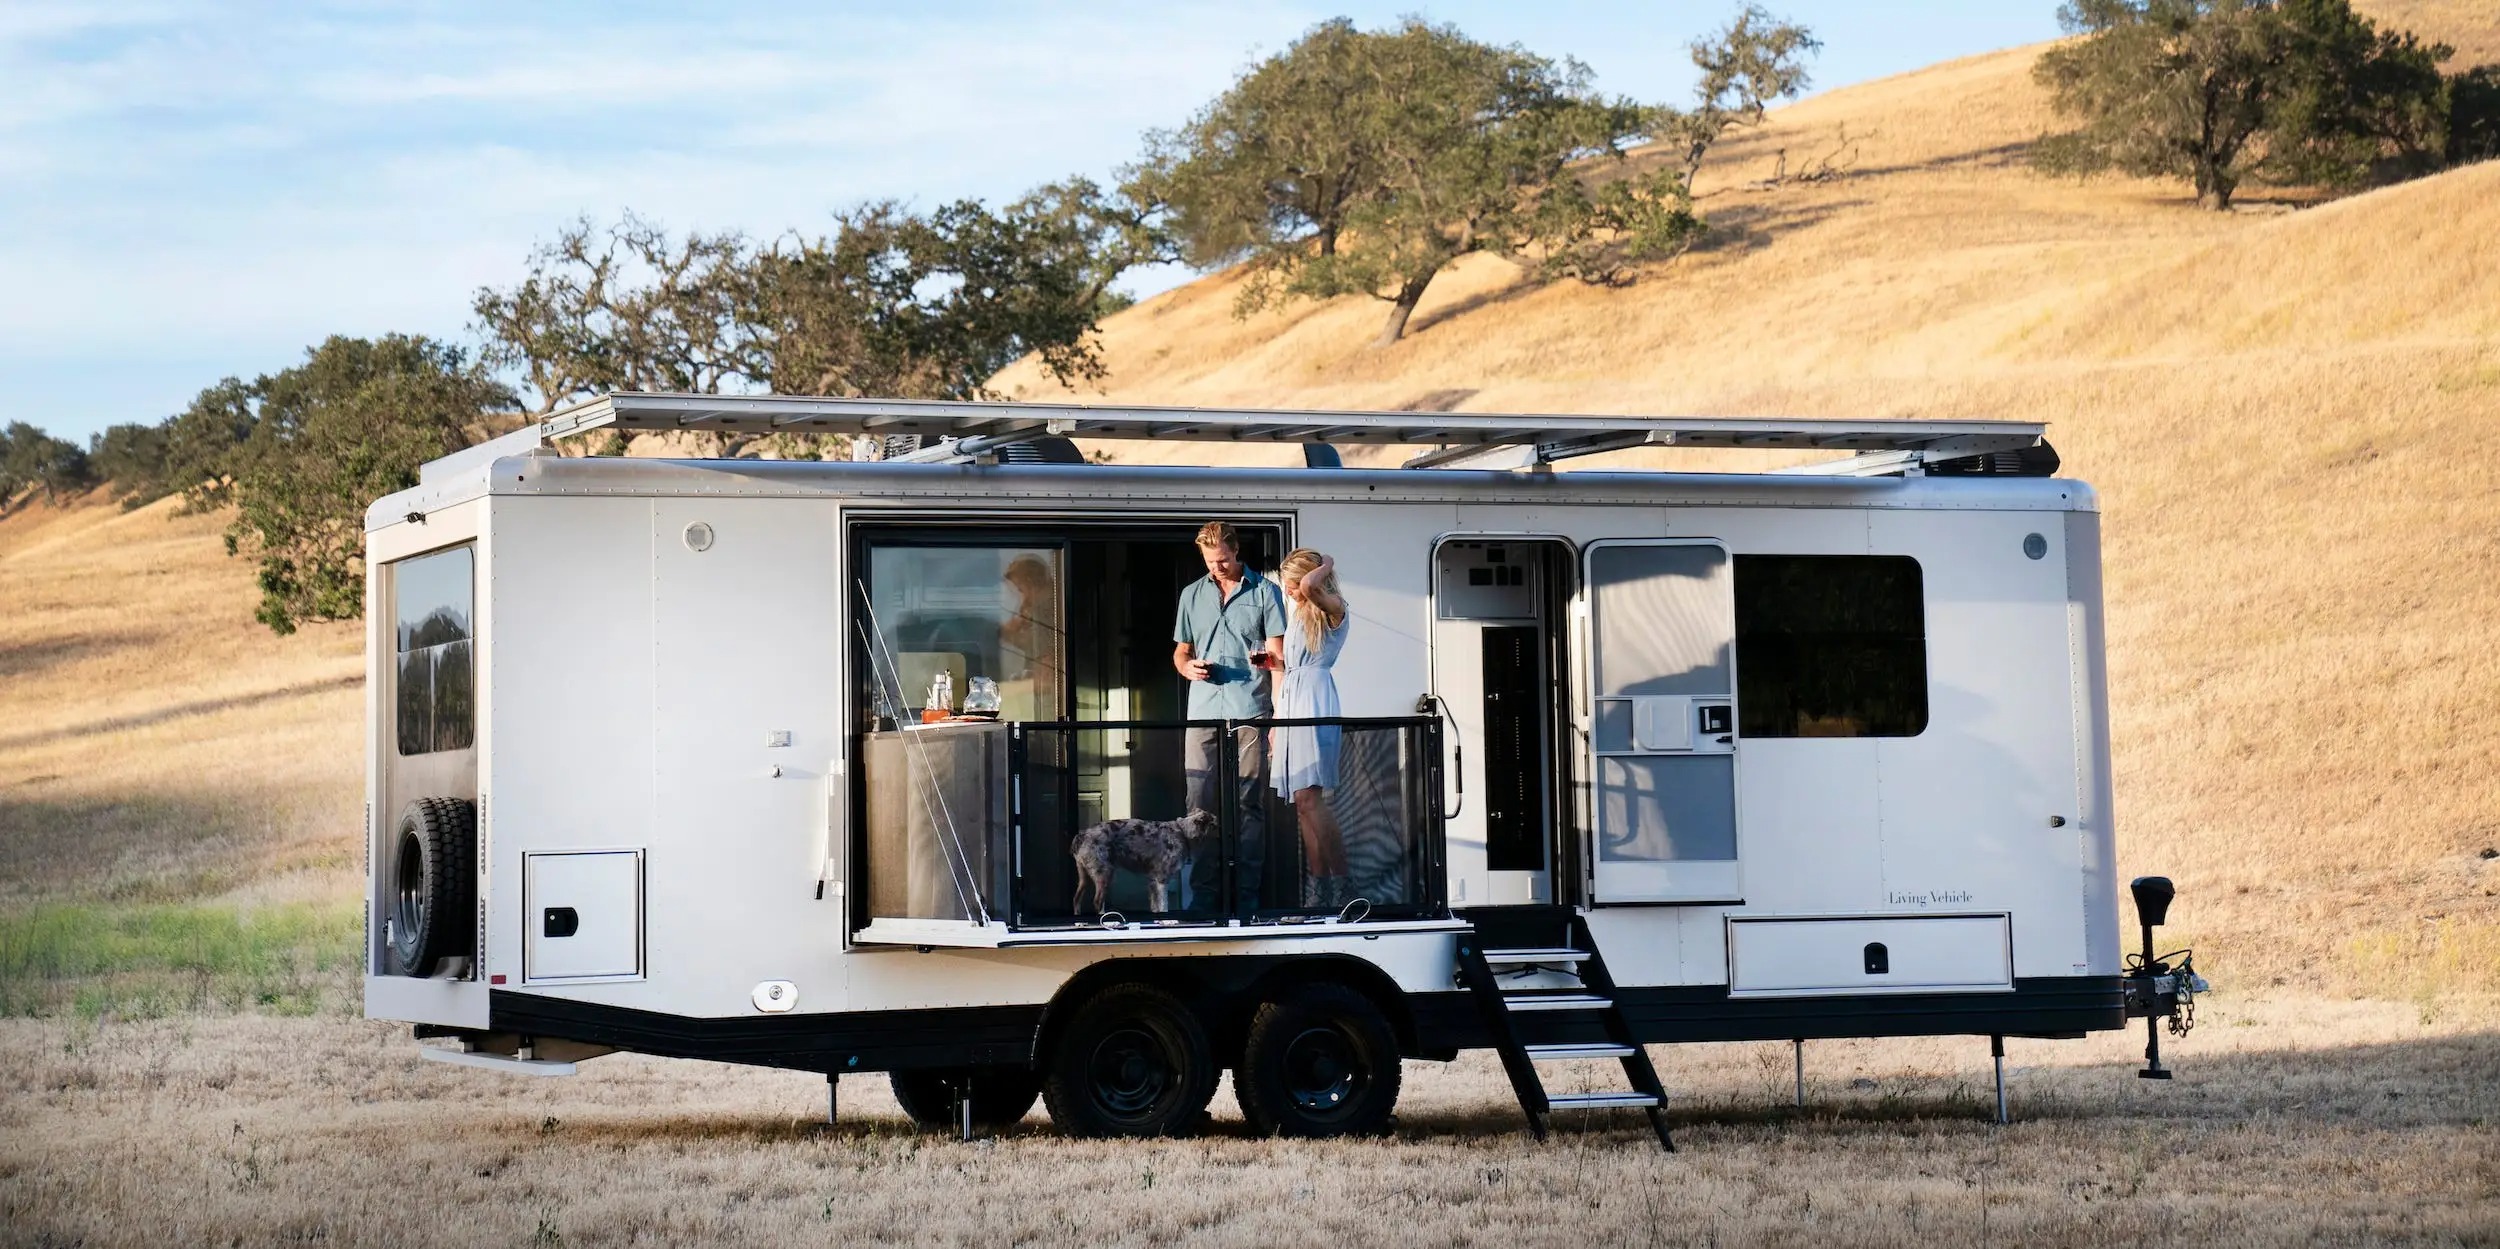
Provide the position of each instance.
(1662, 721)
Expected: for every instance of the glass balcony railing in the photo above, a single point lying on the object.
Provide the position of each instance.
(1112, 824)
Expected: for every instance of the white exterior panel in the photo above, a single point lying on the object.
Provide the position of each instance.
(564, 693)
(745, 638)
(1976, 811)
(2096, 835)
(1384, 567)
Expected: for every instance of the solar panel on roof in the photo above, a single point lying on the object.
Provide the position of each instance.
(980, 427)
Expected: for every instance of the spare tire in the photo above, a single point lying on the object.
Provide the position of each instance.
(433, 899)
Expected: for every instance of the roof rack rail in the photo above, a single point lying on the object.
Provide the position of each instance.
(963, 431)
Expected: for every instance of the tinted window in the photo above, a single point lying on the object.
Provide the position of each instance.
(435, 702)
(1830, 646)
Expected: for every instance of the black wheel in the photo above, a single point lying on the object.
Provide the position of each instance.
(1134, 1062)
(433, 912)
(1320, 1061)
(1000, 1096)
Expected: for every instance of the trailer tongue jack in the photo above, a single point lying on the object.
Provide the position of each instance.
(2158, 988)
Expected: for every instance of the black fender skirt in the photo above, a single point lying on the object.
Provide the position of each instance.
(901, 1040)
(2048, 1006)
(888, 1040)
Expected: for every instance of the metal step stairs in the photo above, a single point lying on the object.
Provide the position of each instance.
(1594, 1001)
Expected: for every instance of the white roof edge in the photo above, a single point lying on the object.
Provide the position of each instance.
(1555, 434)
(521, 441)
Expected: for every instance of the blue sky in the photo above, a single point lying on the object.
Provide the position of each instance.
(189, 191)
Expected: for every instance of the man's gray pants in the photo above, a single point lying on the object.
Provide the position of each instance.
(1249, 780)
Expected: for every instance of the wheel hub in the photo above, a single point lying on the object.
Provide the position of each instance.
(1321, 1071)
(408, 910)
(1132, 1070)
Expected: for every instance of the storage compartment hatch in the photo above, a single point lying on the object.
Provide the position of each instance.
(1879, 954)
(584, 915)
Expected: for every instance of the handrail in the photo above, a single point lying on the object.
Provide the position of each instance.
(1419, 767)
(1407, 721)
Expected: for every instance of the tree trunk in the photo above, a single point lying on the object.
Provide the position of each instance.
(2213, 187)
(1402, 308)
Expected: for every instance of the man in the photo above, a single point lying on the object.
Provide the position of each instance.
(1222, 621)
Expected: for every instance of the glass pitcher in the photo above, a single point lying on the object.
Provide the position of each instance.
(982, 699)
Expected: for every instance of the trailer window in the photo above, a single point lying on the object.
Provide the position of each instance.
(969, 610)
(1830, 646)
(431, 597)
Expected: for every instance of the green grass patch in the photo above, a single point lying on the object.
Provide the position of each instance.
(144, 960)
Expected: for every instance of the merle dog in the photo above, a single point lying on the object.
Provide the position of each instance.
(1154, 847)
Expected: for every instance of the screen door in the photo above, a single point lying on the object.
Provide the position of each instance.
(1662, 721)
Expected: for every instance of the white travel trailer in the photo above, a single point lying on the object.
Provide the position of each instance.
(1626, 757)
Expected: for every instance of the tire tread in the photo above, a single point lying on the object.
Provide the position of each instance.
(446, 834)
(1063, 1090)
(1345, 1003)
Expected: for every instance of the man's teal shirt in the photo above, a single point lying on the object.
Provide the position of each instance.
(1223, 633)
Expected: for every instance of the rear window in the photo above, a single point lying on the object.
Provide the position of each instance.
(436, 697)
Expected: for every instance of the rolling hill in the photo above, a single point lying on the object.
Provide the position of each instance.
(2279, 407)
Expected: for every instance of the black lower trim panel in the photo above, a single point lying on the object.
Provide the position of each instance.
(2043, 1006)
(902, 1040)
(894, 1040)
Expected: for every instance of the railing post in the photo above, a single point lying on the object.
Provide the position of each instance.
(1015, 824)
(1228, 808)
(1434, 888)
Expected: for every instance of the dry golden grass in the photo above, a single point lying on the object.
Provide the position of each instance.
(2282, 411)
(2296, 1121)
(2469, 26)
(156, 742)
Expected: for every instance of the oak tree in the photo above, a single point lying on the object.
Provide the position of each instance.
(34, 461)
(2222, 91)
(1358, 162)
(891, 302)
(349, 425)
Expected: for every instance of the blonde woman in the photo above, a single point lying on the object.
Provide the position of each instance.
(1303, 758)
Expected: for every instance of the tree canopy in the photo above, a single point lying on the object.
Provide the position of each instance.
(350, 424)
(2222, 91)
(891, 302)
(32, 460)
(1366, 161)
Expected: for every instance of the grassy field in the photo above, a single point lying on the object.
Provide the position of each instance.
(148, 960)
(2291, 1121)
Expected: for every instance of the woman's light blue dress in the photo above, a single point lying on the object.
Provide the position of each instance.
(1307, 755)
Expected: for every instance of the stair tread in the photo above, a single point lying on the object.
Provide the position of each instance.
(1573, 1101)
(1555, 1053)
(1555, 1001)
(1546, 954)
